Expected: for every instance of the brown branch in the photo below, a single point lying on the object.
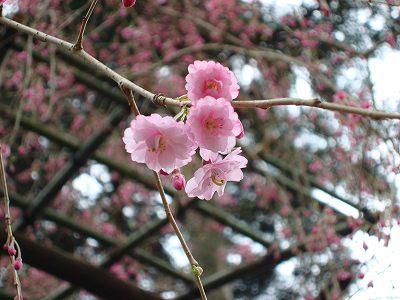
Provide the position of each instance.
(265, 104)
(67, 267)
(122, 81)
(78, 44)
(196, 269)
(11, 241)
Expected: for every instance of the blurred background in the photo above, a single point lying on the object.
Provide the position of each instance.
(316, 216)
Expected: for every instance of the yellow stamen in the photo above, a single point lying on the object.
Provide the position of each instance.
(219, 182)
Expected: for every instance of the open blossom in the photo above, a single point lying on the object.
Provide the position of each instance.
(214, 126)
(160, 142)
(208, 78)
(213, 176)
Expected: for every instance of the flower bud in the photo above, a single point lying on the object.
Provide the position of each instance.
(179, 181)
(18, 264)
(12, 251)
(128, 3)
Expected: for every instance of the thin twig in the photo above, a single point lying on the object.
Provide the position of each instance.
(78, 45)
(10, 237)
(196, 269)
(317, 103)
(122, 81)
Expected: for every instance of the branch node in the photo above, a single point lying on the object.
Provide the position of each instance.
(197, 270)
(159, 99)
(317, 101)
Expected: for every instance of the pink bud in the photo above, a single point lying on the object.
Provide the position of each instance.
(128, 3)
(360, 275)
(5, 247)
(12, 251)
(179, 181)
(18, 264)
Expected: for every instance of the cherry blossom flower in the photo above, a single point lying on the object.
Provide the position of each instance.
(208, 78)
(160, 142)
(213, 176)
(214, 126)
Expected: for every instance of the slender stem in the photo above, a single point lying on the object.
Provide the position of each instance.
(196, 269)
(10, 237)
(121, 80)
(78, 45)
(317, 103)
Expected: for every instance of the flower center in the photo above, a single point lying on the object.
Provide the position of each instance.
(217, 181)
(212, 84)
(159, 144)
(211, 124)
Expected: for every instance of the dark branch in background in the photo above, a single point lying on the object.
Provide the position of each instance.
(66, 267)
(49, 192)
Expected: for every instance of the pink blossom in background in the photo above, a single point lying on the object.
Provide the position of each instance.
(214, 126)
(159, 142)
(8, 1)
(213, 176)
(208, 78)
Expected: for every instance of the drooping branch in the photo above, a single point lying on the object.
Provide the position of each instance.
(78, 45)
(196, 269)
(15, 263)
(159, 99)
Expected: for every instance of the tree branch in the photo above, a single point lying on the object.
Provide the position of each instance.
(196, 269)
(11, 241)
(156, 98)
(78, 45)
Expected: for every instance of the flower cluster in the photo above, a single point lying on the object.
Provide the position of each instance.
(212, 125)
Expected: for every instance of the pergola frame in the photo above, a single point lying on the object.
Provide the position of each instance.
(80, 154)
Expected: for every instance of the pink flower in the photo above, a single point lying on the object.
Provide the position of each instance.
(213, 177)
(128, 3)
(160, 142)
(208, 78)
(214, 126)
